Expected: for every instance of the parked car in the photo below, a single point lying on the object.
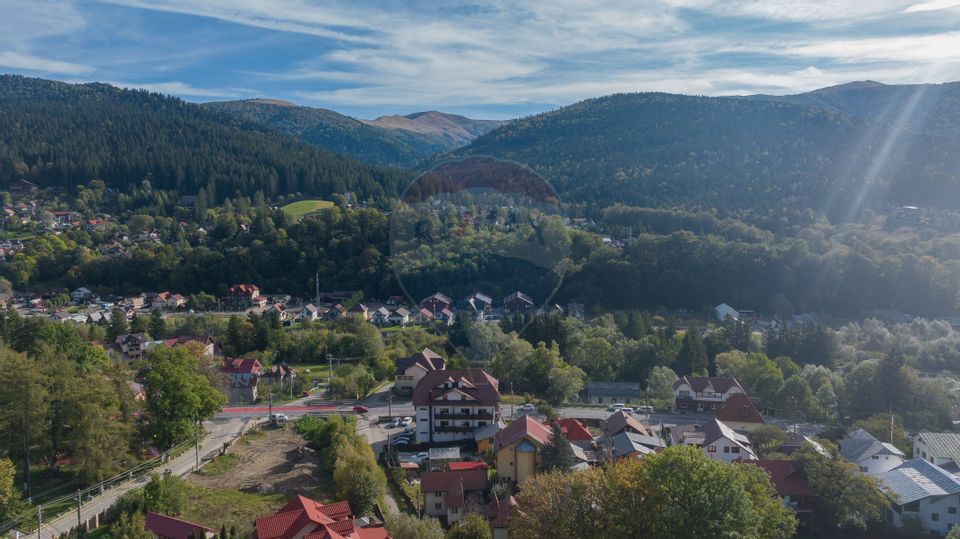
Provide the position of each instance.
(646, 409)
(410, 430)
(626, 410)
(360, 409)
(305, 394)
(278, 419)
(406, 422)
(614, 407)
(393, 423)
(528, 407)
(419, 458)
(401, 440)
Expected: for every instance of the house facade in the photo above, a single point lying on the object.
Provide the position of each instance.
(923, 495)
(436, 303)
(451, 405)
(450, 494)
(872, 456)
(242, 376)
(410, 370)
(518, 448)
(613, 392)
(704, 393)
(716, 439)
(739, 413)
(940, 448)
(244, 296)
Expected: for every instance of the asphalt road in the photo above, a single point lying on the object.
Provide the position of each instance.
(233, 420)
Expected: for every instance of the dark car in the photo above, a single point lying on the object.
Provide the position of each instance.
(305, 394)
(360, 409)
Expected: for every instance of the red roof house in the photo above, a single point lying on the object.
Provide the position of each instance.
(166, 527)
(576, 432)
(464, 466)
(447, 494)
(790, 483)
(739, 413)
(308, 519)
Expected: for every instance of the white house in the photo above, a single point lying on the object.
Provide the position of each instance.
(924, 495)
(717, 440)
(309, 312)
(399, 317)
(940, 448)
(872, 456)
(81, 295)
(451, 405)
(704, 393)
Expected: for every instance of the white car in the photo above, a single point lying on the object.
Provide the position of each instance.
(393, 423)
(626, 410)
(528, 407)
(419, 458)
(406, 422)
(614, 407)
(646, 409)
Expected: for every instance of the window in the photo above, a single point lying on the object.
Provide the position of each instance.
(935, 517)
(438, 506)
(726, 449)
(911, 507)
(952, 510)
(481, 423)
(455, 510)
(863, 469)
(438, 493)
(735, 450)
(684, 393)
(712, 449)
(464, 410)
(876, 457)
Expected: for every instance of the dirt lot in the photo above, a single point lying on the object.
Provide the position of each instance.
(274, 461)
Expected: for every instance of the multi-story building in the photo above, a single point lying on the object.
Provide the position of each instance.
(410, 370)
(704, 393)
(450, 405)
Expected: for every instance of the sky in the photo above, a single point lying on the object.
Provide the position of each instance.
(486, 58)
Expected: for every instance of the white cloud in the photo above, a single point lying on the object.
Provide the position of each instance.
(183, 89)
(26, 62)
(932, 5)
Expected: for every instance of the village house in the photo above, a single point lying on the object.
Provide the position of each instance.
(923, 496)
(630, 445)
(621, 421)
(243, 296)
(242, 375)
(724, 311)
(796, 441)
(518, 448)
(704, 394)
(486, 436)
(451, 494)
(211, 346)
(451, 405)
(940, 448)
(399, 317)
(739, 413)
(717, 440)
(872, 456)
(381, 316)
(166, 527)
(436, 303)
(303, 518)
(613, 392)
(498, 513)
(131, 347)
(790, 483)
(360, 310)
(478, 304)
(517, 302)
(576, 432)
(279, 374)
(308, 313)
(408, 371)
(81, 295)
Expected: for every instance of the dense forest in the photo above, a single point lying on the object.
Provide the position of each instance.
(658, 150)
(58, 134)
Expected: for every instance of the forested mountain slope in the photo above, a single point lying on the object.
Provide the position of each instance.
(58, 134)
(732, 153)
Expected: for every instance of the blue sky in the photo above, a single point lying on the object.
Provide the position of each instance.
(486, 58)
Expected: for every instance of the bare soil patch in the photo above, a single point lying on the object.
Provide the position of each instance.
(277, 461)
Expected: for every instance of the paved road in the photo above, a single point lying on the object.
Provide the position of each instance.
(232, 420)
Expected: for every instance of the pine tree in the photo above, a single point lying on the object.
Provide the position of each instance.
(158, 327)
(693, 354)
(557, 455)
(118, 323)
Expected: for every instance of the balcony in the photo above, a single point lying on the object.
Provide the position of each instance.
(459, 415)
(452, 428)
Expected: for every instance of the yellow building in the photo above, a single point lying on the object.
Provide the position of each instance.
(518, 448)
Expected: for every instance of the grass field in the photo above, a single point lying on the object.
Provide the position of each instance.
(215, 507)
(298, 210)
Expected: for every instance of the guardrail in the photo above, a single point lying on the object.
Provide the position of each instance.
(27, 521)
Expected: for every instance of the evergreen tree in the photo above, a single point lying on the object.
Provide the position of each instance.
(557, 455)
(158, 327)
(138, 324)
(118, 323)
(692, 357)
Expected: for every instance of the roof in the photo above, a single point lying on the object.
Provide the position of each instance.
(462, 466)
(240, 366)
(520, 296)
(715, 429)
(860, 445)
(475, 384)
(620, 421)
(626, 443)
(918, 479)
(796, 441)
(739, 408)
(335, 519)
(943, 445)
(787, 478)
(454, 484)
(524, 427)
(174, 528)
(699, 383)
(723, 310)
(443, 298)
(614, 389)
(489, 430)
(427, 359)
(574, 430)
(498, 511)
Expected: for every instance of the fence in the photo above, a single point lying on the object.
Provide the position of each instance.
(57, 508)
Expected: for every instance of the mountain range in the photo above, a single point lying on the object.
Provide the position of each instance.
(389, 140)
(835, 150)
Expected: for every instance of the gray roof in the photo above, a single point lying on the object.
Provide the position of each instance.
(944, 445)
(918, 479)
(627, 442)
(488, 430)
(860, 445)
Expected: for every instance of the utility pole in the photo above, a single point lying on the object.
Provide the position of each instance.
(26, 446)
(196, 438)
(511, 399)
(389, 403)
(316, 281)
(270, 403)
(79, 504)
(39, 520)
(330, 367)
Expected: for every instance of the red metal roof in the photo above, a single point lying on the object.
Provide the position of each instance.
(240, 366)
(475, 383)
(525, 426)
(174, 528)
(574, 430)
(463, 466)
